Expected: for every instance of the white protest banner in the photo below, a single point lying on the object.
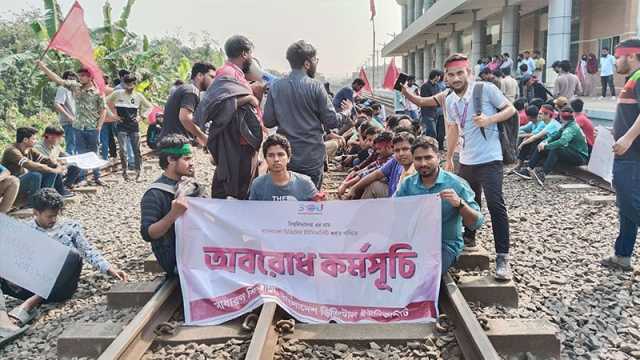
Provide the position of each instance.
(86, 161)
(28, 257)
(346, 261)
(601, 161)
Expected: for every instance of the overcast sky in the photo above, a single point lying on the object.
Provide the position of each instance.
(340, 29)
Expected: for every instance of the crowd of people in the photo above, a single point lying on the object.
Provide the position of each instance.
(444, 138)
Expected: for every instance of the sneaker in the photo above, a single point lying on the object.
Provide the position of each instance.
(67, 194)
(522, 172)
(99, 182)
(539, 175)
(125, 176)
(614, 98)
(600, 97)
(82, 183)
(617, 262)
(503, 270)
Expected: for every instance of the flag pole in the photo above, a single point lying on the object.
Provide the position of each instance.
(373, 76)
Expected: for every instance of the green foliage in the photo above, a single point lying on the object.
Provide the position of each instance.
(27, 95)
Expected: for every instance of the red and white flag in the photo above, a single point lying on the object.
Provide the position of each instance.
(367, 85)
(372, 7)
(74, 40)
(391, 76)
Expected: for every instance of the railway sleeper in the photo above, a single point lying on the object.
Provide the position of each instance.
(131, 294)
(472, 259)
(488, 291)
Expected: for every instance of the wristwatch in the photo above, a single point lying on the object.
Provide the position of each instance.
(462, 204)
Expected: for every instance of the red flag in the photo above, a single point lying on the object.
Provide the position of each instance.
(391, 76)
(367, 86)
(372, 6)
(73, 39)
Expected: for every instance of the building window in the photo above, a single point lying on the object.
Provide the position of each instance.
(576, 11)
(609, 43)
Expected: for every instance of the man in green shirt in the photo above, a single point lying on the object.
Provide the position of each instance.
(90, 111)
(567, 145)
(458, 200)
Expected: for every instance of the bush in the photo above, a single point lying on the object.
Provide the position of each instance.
(15, 120)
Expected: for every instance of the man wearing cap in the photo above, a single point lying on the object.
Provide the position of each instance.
(90, 111)
(164, 201)
(480, 152)
(626, 165)
(125, 105)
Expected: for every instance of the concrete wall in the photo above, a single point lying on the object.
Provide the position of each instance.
(527, 33)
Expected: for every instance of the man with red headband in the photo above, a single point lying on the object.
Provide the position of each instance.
(480, 149)
(568, 145)
(626, 165)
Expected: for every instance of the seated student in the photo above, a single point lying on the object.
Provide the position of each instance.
(164, 201)
(458, 200)
(280, 184)
(383, 150)
(395, 121)
(568, 145)
(47, 205)
(520, 104)
(533, 126)
(528, 145)
(8, 189)
(584, 122)
(384, 181)
(379, 113)
(50, 147)
(361, 146)
(34, 170)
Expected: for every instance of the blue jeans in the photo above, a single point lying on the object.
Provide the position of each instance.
(448, 259)
(626, 180)
(108, 130)
(413, 114)
(429, 126)
(69, 139)
(87, 141)
(29, 184)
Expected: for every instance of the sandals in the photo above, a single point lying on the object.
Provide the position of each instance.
(23, 317)
(7, 336)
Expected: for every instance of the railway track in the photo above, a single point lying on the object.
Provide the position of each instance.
(136, 338)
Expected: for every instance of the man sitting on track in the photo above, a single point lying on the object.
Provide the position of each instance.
(34, 170)
(383, 151)
(384, 181)
(164, 201)
(280, 184)
(47, 205)
(50, 147)
(567, 145)
(458, 200)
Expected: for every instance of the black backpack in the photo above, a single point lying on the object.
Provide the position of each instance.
(508, 129)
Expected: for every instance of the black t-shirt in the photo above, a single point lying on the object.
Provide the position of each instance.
(186, 96)
(428, 89)
(626, 114)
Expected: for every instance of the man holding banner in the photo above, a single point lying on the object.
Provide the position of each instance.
(459, 206)
(626, 165)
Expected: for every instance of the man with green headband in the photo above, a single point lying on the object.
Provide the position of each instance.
(164, 201)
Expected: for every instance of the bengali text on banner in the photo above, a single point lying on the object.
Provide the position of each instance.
(369, 261)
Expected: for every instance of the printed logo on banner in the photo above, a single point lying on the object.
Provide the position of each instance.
(310, 209)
